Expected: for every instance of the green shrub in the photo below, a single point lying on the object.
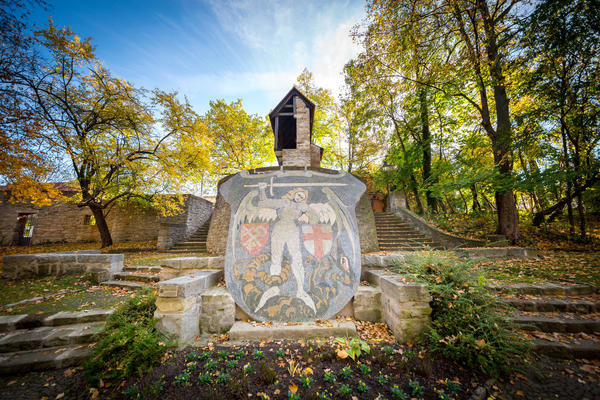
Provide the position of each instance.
(467, 323)
(129, 345)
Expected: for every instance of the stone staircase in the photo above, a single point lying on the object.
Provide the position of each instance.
(40, 342)
(135, 277)
(195, 244)
(563, 320)
(394, 234)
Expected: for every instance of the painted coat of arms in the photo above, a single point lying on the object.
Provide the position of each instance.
(293, 251)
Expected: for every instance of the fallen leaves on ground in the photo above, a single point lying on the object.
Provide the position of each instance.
(374, 331)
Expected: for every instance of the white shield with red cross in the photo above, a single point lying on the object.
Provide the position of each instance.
(317, 239)
(254, 237)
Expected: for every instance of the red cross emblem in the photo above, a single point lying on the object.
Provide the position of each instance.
(317, 239)
(254, 237)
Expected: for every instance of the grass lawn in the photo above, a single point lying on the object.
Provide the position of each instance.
(68, 293)
(551, 266)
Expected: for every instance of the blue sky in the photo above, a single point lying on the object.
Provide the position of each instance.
(209, 49)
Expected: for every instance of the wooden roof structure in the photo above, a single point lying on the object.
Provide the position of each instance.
(283, 122)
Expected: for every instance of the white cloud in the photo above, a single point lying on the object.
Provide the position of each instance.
(288, 37)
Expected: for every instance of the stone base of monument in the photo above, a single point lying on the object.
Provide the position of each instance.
(247, 331)
(194, 304)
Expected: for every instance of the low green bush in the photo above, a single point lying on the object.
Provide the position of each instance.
(468, 325)
(129, 345)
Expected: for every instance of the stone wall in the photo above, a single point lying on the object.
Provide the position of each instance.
(102, 266)
(64, 221)
(367, 232)
(448, 240)
(216, 242)
(196, 211)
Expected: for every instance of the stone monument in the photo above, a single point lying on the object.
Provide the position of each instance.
(293, 251)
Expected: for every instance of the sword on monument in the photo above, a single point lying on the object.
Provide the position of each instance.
(271, 184)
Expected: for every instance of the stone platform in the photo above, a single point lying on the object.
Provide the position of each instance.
(247, 331)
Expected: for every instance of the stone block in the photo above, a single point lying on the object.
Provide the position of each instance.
(381, 260)
(179, 266)
(181, 327)
(189, 285)
(175, 304)
(243, 331)
(9, 322)
(101, 275)
(217, 310)
(404, 292)
(367, 304)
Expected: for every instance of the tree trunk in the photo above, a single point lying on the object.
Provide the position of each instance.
(426, 144)
(102, 226)
(581, 212)
(476, 205)
(506, 208)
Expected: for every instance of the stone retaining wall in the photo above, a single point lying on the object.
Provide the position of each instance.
(196, 212)
(448, 240)
(498, 252)
(404, 306)
(102, 266)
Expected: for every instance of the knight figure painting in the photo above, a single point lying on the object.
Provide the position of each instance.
(293, 251)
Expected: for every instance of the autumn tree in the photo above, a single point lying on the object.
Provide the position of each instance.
(24, 161)
(327, 125)
(456, 49)
(122, 143)
(562, 62)
(239, 141)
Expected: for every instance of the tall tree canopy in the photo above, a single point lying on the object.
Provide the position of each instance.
(120, 142)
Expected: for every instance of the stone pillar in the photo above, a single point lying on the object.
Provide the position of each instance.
(405, 306)
(177, 306)
(217, 311)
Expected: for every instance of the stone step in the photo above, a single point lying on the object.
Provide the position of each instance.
(404, 240)
(399, 235)
(190, 243)
(126, 284)
(586, 349)
(44, 359)
(245, 331)
(395, 249)
(77, 317)
(186, 251)
(546, 289)
(143, 268)
(136, 277)
(560, 323)
(550, 304)
(404, 244)
(21, 340)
